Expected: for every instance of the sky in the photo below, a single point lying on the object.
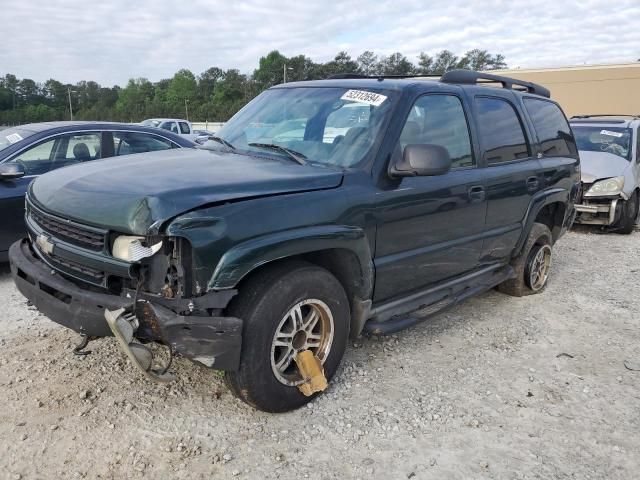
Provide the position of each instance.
(110, 42)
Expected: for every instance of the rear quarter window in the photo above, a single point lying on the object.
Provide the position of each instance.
(552, 128)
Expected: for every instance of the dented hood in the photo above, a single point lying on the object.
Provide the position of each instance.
(137, 193)
(597, 165)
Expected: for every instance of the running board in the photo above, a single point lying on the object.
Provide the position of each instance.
(393, 316)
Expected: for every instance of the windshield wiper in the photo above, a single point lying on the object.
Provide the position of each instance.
(222, 141)
(292, 154)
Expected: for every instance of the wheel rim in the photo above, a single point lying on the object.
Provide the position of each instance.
(308, 325)
(539, 268)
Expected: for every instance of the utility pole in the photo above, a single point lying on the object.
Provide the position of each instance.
(70, 106)
(186, 109)
(284, 72)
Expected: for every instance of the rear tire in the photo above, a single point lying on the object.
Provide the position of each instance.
(532, 265)
(628, 215)
(269, 303)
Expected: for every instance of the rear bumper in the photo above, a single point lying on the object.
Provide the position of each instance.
(214, 341)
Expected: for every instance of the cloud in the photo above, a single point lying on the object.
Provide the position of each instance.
(113, 41)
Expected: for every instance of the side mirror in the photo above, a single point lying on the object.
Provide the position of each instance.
(9, 171)
(422, 160)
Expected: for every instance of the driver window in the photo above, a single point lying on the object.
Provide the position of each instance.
(36, 160)
(171, 126)
(440, 120)
(79, 148)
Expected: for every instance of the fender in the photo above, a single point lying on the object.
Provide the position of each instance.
(240, 260)
(538, 202)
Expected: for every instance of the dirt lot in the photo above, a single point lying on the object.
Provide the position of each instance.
(497, 388)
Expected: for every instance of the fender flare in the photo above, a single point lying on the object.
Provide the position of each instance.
(537, 203)
(245, 257)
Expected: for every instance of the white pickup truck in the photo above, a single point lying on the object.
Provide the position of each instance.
(175, 125)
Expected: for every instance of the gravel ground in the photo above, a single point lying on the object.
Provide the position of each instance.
(499, 387)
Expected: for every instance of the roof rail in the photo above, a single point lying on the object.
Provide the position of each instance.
(471, 77)
(607, 115)
(341, 76)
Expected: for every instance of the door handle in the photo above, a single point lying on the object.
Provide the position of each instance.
(476, 193)
(532, 184)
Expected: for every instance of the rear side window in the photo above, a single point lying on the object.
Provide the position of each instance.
(501, 133)
(184, 127)
(552, 128)
(440, 120)
(127, 143)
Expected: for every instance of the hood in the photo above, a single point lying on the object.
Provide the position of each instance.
(597, 165)
(137, 193)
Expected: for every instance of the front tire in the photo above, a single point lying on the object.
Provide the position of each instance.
(628, 215)
(532, 265)
(287, 308)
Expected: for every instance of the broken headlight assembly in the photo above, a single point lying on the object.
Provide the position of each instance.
(134, 248)
(606, 187)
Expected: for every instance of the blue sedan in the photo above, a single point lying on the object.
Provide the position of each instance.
(31, 150)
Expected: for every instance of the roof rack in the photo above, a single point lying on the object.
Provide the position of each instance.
(461, 76)
(342, 76)
(471, 77)
(607, 115)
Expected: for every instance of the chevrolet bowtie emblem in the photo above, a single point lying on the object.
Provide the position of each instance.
(44, 244)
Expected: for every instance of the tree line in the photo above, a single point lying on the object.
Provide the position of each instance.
(214, 95)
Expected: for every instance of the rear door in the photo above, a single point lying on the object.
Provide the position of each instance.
(511, 174)
(429, 228)
(558, 151)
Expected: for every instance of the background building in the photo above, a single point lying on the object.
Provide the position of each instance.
(589, 89)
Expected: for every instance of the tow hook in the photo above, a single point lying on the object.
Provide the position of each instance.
(79, 349)
(124, 324)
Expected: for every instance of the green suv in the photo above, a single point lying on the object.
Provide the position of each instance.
(320, 211)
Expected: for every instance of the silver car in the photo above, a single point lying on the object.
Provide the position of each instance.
(609, 147)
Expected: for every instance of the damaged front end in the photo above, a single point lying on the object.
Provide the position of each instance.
(81, 277)
(601, 202)
(213, 341)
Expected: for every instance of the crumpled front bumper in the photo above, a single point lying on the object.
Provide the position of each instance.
(598, 212)
(213, 341)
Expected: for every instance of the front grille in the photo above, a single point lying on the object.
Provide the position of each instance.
(76, 269)
(68, 231)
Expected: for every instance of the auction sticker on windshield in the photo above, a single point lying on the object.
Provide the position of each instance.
(362, 96)
(610, 133)
(14, 137)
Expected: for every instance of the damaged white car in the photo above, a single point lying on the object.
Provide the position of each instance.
(609, 147)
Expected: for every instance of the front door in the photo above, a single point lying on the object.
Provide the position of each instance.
(50, 154)
(430, 228)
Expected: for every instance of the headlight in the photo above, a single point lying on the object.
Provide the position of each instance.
(132, 248)
(609, 186)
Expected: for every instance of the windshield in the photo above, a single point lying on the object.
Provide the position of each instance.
(10, 136)
(334, 126)
(614, 140)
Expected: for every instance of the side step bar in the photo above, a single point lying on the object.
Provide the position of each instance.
(394, 316)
